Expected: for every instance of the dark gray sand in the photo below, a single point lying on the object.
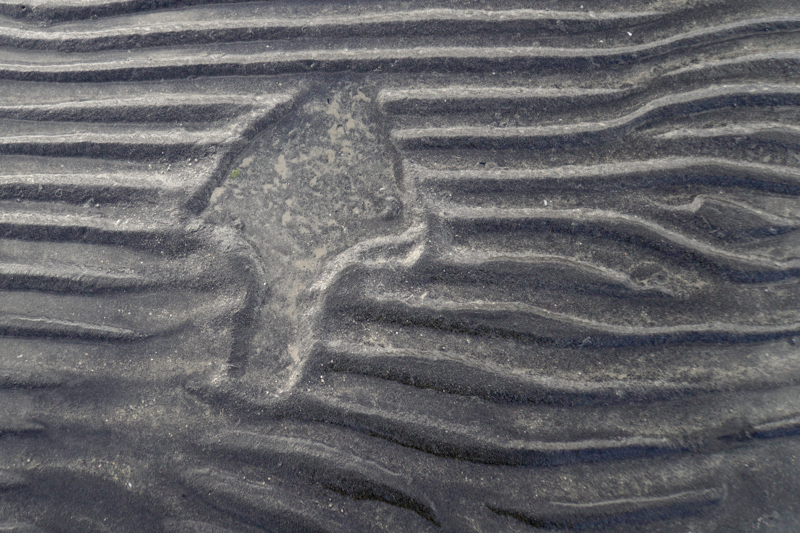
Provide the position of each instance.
(428, 265)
